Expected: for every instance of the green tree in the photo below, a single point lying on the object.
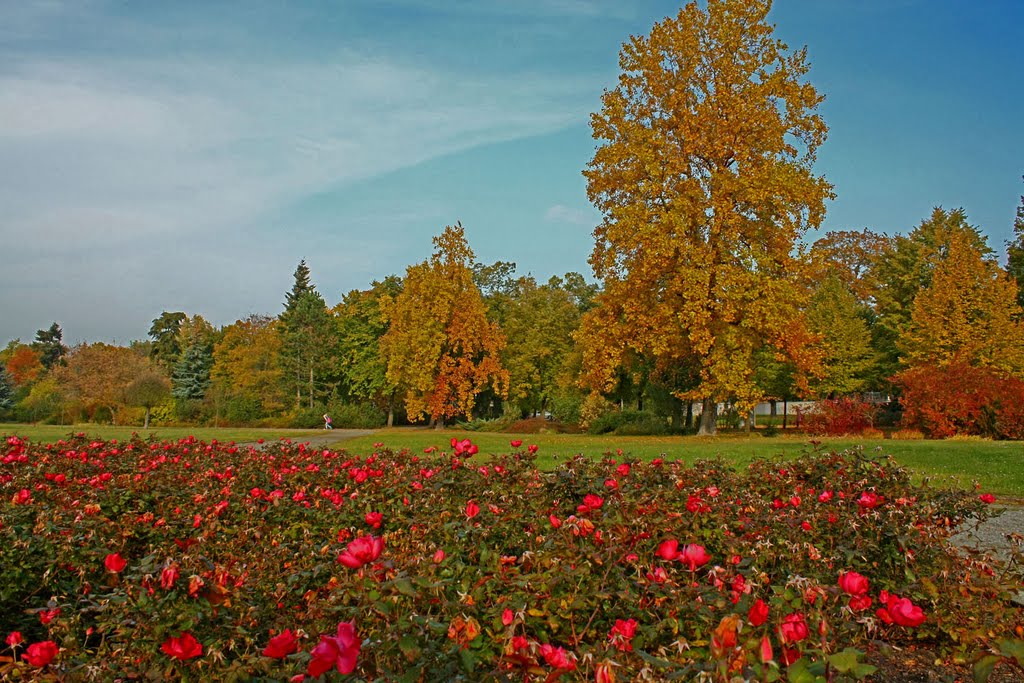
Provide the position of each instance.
(191, 376)
(49, 345)
(6, 389)
(1015, 253)
(147, 391)
(97, 376)
(703, 178)
(361, 326)
(440, 346)
(843, 339)
(166, 348)
(539, 323)
(309, 336)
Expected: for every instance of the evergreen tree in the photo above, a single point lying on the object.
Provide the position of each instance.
(49, 345)
(1015, 253)
(191, 375)
(166, 349)
(309, 335)
(6, 389)
(301, 286)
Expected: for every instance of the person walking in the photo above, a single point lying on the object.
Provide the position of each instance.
(327, 422)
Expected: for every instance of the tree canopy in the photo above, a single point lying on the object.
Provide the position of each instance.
(703, 177)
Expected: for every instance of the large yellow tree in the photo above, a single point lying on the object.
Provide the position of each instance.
(440, 348)
(703, 177)
(969, 313)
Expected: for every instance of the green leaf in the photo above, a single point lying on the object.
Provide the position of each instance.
(845, 661)
(983, 668)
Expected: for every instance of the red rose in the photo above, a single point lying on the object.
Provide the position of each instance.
(472, 509)
(340, 651)
(169, 576)
(507, 617)
(853, 583)
(869, 500)
(183, 647)
(557, 657)
(114, 563)
(281, 645)
(622, 633)
(14, 638)
(695, 556)
(766, 650)
(987, 498)
(48, 615)
(516, 443)
(40, 654)
(361, 551)
(859, 603)
(905, 613)
(374, 519)
(668, 550)
(758, 613)
(532, 448)
(794, 628)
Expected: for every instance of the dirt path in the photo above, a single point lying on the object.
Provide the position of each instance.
(329, 438)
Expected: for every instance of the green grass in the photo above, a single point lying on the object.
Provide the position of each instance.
(48, 433)
(998, 466)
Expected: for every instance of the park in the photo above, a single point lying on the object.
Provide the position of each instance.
(756, 444)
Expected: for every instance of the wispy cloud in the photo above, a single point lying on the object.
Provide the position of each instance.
(566, 214)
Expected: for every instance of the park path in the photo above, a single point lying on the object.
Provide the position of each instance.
(328, 438)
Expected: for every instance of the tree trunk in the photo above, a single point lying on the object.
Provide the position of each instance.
(439, 423)
(785, 412)
(311, 387)
(146, 426)
(774, 410)
(708, 418)
(751, 422)
(689, 415)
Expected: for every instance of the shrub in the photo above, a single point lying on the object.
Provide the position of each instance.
(243, 409)
(629, 423)
(958, 399)
(907, 435)
(872, 433)
(188, 560)
(356, 416)
(566, 407)
(836, 417)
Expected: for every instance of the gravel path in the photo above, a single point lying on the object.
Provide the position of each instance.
(991, 536)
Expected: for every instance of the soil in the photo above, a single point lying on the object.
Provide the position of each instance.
(923, 666)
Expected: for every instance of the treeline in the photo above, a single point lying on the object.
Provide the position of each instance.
(930, 315)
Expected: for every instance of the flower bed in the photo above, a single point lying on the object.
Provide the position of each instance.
(214, 562)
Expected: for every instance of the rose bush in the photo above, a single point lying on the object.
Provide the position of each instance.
(210, 561)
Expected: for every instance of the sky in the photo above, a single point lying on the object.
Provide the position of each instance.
(184, 156)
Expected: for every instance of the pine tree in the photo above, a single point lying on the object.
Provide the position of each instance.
(1015, 253)
(309, 335)
(192, 373)
(49, 345)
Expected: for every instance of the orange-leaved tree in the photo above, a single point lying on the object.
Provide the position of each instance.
(703, 177)
(440, 348)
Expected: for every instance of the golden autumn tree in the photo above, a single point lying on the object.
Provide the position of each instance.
(968, 313)
(703, 177)
(440, 348)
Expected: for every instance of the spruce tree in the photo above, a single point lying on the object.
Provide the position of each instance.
(6, 389)
(1015, 253)
(300, 287)
(192, 373)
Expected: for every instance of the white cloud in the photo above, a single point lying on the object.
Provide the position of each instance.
(565, 214)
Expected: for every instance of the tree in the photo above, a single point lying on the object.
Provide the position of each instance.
(191, 377)
(49, 345)
(843, 339)
(361, 325)
(300, 286)
(850, 256)
(704, 182)
(539, 323)
(166, 349)
(309, 335)
(905, 267)
(440, 346)
(97, 376)
(1015, 253)
(147, 391)
(968, 312)
(23, 365)
(246, 363)
(6, 390)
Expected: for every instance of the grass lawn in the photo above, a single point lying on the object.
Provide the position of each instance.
(997, 465)
(49, 433)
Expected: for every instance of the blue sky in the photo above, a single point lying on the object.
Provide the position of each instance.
(185, 155)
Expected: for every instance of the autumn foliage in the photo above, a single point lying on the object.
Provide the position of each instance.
(958, 398)
(839, 416)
